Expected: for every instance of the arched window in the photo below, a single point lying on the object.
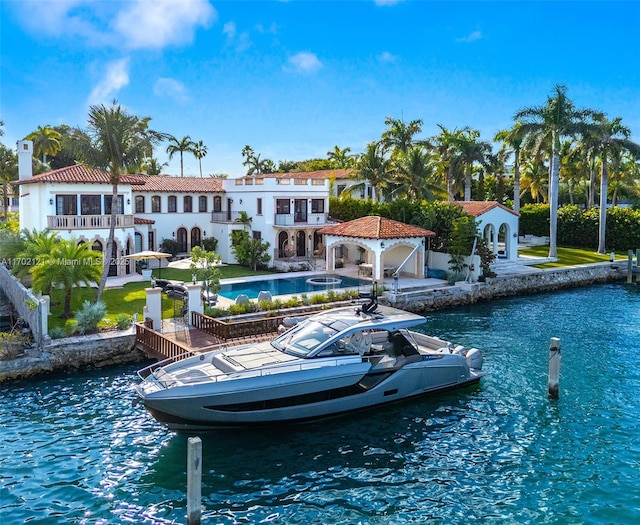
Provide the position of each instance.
(187, 204)
(139, 203)
(202, 203)
(196, 237)
(155, 204)
(172, 204)
(217, 204)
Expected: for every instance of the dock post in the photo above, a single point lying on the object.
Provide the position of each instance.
(194, 480)
(630, 267)
(638, 257)
(554, 368)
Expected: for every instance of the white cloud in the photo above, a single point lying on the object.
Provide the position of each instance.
(171, 88)
(303, 62)
(116, 77)
(471, 37)
(160, 23)
(240, 41)
(386, 57)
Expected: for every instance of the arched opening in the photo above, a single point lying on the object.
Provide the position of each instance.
(283, 244)
(96, 246)
(138, 242)
(301, 243)
(181, 237)
(113, 262)
(196, 237)
(503, 241)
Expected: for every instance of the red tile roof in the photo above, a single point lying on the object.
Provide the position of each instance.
(166, 183)
(319, 174)
(477, 208)
(80, 173)
(140, 220)
(375, 227)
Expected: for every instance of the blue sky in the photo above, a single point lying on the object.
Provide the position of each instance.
(294, 78)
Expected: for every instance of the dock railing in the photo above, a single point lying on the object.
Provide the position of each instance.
(158, 346)
(227, 331)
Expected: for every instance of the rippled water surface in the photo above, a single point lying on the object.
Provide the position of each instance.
(73, 449)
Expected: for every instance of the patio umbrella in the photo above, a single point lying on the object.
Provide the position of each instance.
(148, 254)
(185, 264)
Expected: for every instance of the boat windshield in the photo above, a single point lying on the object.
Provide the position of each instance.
(304, 338)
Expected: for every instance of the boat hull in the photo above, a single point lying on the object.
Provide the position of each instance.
(303, 401)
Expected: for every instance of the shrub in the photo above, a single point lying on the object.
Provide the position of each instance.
(89, 316)
(57, 332)
(123, 321)
(534, 220)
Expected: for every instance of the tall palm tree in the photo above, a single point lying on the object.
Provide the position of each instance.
(612, 138)
(185, 145)
(471, 151)
(513, 138)
(556, 119)
(446, 146)
(399, 135)
(200, 151)
(374, 168)
(46, 141)
(118, 142)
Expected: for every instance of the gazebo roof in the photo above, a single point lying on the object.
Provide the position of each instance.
(477, 208)
(375, 227)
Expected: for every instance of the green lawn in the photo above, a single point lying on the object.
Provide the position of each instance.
(566, 256)
(131, 297)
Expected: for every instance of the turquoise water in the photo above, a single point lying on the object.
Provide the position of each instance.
(289, 285)
(73, 449)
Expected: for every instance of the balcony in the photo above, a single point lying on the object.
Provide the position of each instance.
(87, 222)
(224, 216)
(296, 219)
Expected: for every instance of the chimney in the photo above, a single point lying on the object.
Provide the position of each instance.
(25, 153)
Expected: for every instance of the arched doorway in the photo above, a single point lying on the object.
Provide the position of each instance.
(181, 237)
(129, 251)
(301, 243)
(283, 242)
(196, 237)
(113, 262)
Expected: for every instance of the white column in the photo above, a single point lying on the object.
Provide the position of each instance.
(153, 308)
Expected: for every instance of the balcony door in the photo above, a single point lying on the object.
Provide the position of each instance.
(300, 210)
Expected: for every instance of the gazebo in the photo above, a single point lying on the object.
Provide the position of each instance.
(388, 247)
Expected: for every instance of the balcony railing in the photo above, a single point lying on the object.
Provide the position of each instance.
(87, 222)
(224, 216)
(291, 219)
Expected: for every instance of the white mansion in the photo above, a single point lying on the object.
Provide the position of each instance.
(287, 210)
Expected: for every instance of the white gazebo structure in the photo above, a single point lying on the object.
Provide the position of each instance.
(498, 226)
(386, 247)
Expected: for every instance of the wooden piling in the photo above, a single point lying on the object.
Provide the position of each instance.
(630, 267)
(194, 480)
(554, 368)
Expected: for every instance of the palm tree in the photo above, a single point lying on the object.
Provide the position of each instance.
(446, 145)
(118, 142)
(152, 166)
(340, 158)
(416, 176)
(513, 139)
(186, 145)
(535, 179)
(612, 138)
(69, 264)
(8, 172)
(556, 119)
(200, 151)
(375, 169)
(471, 150)
(244, 219)
(35, 245)
(399, 136)
(46, 141)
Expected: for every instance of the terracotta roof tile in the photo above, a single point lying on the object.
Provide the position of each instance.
(477, 208)
(140, 220)
(375, 227)
(79, 173)
(165, 183)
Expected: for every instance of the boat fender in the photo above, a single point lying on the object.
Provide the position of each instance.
(474, 358)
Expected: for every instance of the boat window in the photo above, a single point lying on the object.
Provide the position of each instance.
(304, 338)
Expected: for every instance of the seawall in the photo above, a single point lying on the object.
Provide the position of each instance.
(99, 350)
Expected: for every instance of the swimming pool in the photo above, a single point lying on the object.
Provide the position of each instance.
(290, 285)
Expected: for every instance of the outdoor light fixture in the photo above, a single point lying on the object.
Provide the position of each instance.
(382, 244)
(173, 234)
(240, 201)
(128, 202)
(204, 234)
(51, 202)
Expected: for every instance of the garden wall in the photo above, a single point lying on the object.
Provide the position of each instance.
(34, 310)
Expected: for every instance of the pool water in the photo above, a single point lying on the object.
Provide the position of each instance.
(292, 285)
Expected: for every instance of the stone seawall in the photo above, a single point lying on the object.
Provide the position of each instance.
(74, 353)
(463, 293)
